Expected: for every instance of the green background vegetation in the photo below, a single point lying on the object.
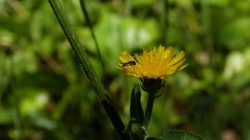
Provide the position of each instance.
(44, 94)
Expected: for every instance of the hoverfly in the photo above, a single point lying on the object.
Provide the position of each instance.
(129, 63)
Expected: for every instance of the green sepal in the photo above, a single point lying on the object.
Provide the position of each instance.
(138, 132)
(152, 85)
(136, 111)
(135, 126)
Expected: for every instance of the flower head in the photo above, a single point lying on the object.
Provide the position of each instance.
(157, 63)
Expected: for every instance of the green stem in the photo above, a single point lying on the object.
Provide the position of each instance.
(82, 58)
(149, 108)
(206, 25)
(15, 99)
(164, 20)
(86, 15)
(17, 120)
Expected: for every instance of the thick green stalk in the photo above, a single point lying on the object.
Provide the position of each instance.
(151, 86)
(82, 58)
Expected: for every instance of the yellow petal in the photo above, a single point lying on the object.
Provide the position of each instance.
(152, 64)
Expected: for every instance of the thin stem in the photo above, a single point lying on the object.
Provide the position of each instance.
(164, 20)
(86, 15)
(149, 108)
(15, 101)
(82, 58)
(16, 120)
(206, 24)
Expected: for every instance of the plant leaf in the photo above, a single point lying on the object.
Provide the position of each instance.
(180, 135)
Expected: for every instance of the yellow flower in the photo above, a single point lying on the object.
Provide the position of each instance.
(154, 64)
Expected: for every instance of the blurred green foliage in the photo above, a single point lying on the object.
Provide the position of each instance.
(44, 95)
